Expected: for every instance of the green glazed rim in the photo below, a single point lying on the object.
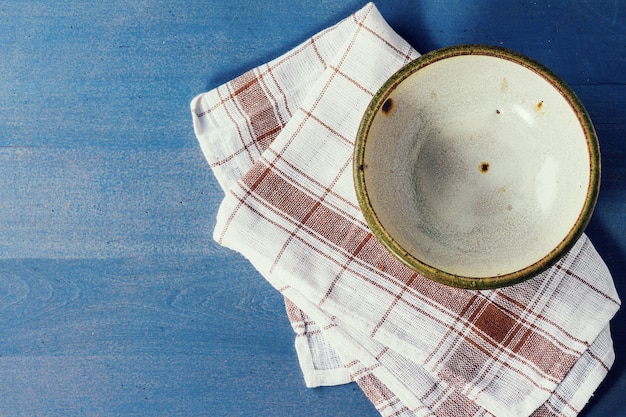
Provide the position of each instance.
(439, 275)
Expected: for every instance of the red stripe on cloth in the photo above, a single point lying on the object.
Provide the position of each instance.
(500, 330)
(378, 392)
(258, 109)
(244, 145)
(546, 355)
(407, 55)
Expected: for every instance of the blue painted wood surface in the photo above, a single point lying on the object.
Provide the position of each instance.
(114, 300)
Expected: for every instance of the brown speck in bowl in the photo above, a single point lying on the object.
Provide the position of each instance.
(388, 106)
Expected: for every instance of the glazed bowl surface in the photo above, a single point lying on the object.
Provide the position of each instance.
(476, 166)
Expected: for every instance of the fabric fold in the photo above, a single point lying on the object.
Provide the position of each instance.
(279, 140)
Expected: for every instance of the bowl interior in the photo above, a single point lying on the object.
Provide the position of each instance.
(476, 165)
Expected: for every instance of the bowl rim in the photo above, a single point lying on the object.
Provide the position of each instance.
(434, 273)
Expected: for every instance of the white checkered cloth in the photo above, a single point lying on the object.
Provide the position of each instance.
(280, 140)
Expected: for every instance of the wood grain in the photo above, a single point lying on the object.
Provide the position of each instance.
(114, 299)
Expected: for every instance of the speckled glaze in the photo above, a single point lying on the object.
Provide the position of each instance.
(476, 166)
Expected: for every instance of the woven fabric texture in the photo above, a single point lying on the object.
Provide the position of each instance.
(279, 139)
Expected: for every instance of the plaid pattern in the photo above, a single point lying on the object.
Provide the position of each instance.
(279, 139)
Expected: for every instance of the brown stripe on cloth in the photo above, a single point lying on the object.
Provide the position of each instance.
(255, 104)
(492, 330)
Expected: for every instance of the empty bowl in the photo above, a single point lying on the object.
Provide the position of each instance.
(476, 166)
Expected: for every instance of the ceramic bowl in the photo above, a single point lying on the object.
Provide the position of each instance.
(476, 166)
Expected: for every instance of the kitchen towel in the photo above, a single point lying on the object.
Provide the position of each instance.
(279, 140)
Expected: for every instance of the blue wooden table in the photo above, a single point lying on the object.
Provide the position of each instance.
(114, 299)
